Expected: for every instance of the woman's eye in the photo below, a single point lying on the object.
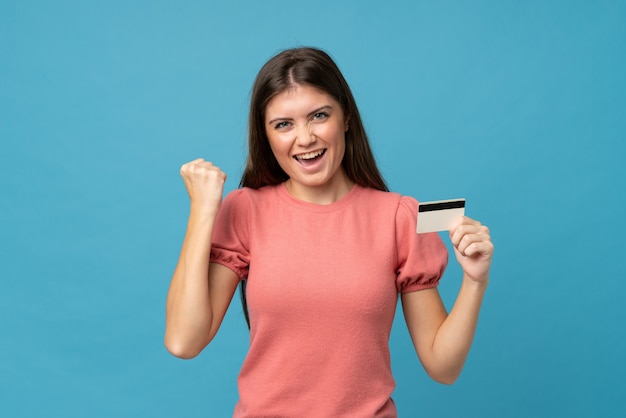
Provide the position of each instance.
(281, 125)
(320, 116)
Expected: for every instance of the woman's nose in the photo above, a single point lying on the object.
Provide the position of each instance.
(305, 135)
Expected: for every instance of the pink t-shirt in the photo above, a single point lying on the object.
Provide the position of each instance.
(322, 290)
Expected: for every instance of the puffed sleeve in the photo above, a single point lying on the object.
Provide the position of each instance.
(421, 258)
(229, 245)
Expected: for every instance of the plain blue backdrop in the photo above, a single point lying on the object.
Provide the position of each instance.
(518, 106)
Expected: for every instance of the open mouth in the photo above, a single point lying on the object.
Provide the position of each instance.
(310, 157)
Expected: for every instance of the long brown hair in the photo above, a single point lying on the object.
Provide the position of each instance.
(312, 67)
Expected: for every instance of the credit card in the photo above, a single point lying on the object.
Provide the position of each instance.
(438, 215)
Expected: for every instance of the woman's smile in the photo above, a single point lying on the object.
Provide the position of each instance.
(309, 159)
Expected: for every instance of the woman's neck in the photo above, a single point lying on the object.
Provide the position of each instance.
(325, 194)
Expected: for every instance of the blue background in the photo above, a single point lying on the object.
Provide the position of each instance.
(518, 106)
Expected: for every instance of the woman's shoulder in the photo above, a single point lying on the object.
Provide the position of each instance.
(248, 191)
(250, 196)
(381, 196)
(390, 200)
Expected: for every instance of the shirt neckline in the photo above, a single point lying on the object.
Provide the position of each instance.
(283, 193)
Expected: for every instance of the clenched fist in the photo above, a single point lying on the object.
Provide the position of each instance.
(205, 185)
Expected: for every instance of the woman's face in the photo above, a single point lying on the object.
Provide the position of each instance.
(306, 130)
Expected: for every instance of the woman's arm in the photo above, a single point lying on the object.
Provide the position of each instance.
(443, 340)
(199, 293)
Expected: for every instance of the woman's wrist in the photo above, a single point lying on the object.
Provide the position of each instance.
(474, 284)
(201, 214)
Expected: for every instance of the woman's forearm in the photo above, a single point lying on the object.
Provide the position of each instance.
(188, 308)
(455, 335)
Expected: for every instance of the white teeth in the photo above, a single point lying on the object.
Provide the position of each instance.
(309, 155)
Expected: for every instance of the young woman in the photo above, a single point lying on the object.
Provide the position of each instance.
(324, 250)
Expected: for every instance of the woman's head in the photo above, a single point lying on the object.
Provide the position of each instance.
(305, 67)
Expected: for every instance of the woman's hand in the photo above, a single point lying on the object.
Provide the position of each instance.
(473, 248)
(205, 185)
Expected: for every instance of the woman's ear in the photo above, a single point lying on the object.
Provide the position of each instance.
(347, 127)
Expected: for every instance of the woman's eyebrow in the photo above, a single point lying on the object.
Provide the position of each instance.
(320, 109)
(311, 113)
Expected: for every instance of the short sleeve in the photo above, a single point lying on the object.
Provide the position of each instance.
(421, 258)
(229, 246)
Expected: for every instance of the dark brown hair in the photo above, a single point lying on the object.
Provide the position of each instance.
(311, 67)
